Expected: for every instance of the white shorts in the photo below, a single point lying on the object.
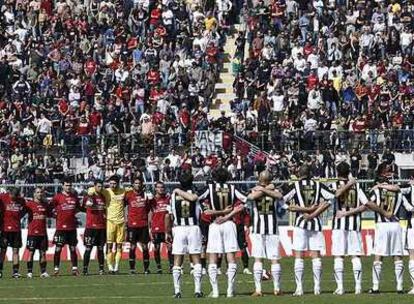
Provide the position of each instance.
(265, 246)
(409, 241)
(346, 242)
(388, 239)
(186, 240)
(304, 240)
(222, 238)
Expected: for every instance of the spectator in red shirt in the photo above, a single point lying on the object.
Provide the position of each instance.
(12, 209)
(38, 211)
(66, 205)
(95, 230)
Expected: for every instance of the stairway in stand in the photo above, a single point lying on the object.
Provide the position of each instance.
(223, 92)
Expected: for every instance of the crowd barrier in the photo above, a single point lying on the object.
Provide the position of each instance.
(285, 236)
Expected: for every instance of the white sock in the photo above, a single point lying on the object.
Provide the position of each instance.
(376, 274)
(212, 273)
(357, 268)
(197, 278)
(231, 276)
(317, 272)
(399, 274)
(411, 270)
(339, 272)
(276, 270)
(176, 272)
(257, 275)
(299, 268)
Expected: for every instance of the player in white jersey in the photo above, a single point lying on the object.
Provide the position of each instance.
(263, 205)
(308, 199)
(346, 227)
(222, 236)
(408, 192)
(386, 201)
(184, 212)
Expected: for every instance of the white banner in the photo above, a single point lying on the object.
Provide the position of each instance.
(208, 141)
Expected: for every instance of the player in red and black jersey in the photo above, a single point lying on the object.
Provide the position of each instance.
(205, 221)
(95, 230)
(12, 207)
(65, 206)
(242, 220)
(159, 211)
(139, 206)
(38, 211)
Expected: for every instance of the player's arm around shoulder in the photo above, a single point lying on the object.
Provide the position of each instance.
(191, 197)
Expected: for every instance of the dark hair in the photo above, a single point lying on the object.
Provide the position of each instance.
(220, 175)
(304, 171)
(343, 169)
(114, 178)
(186, 179)
(140, 178)
(382, 168)
(66, 180)
(98, 181)
(14, 191)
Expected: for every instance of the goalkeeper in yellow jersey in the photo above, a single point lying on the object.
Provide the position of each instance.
(115, 221)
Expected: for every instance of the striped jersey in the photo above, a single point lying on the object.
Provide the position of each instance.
(408, 192)
(221, 196)
(185, 213)
(306, 193)
(390, 202)
(263, 215)
(351, 199)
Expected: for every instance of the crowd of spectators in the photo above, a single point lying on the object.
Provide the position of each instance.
(115, 80)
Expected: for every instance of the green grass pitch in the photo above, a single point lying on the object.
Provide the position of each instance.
(158, 289)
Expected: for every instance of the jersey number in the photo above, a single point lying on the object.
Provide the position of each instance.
(350, 199)
(185, 209)
(265, 205)
(308, 195)
(389, 202)
(223, 197)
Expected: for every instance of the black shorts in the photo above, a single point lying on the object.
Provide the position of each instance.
(241, 237)
(204, 226)
(37, 242)
(138, 235)
(11, 239)
(65, 237)
(94, 237)
(158, 238)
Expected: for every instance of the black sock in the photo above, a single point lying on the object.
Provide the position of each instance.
(245, 258)
(73, 257)
(15, 268)
(219, 260)
(157, 257)
(86, 259)
(203, 263)
(30, 266)
(146, 260)
(56, 258)
(132, 258)
(170, 258)
(43, 267)
(101, 259)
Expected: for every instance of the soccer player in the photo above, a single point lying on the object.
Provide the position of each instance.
(222, 238)
(185, 212)
(408, 191)
(12, 210)
(65, 206)
(386, 201)
(38, 211)
(95, 230)
(139, 206)
(304, 197)
(242, 220)
(346, 227)
(159, 210)
(263, 203)
(115, 221)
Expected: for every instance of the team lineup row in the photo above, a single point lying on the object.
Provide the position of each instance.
(207, 225)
